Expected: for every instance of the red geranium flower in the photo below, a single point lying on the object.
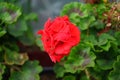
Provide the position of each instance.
(58, 37)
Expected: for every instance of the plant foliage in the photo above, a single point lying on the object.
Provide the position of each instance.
(15, 30)
(97, 57)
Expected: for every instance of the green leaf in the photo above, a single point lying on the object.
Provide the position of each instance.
(98, 74)
(29, 71)
(59, 70)
(73, 64)
(82, 22)
(104, 38)
(28, 38)
(70, 7)
(2, 33)
(39, 43)
(83, 25)
(2, 70)
(31, 16)
(88, 60)
(18, 29)
(117, 36)
(9, 13)
(74, 17)
(13, 47)
(106, 47)
(80, 14)
(105, 41)
(74, 60)
(105, 64)
(79, 59)
(70, 77)
(88, 56)
(115, 73)
(98, 24)
(12, 57)
(32, 66)
(91, 40)
(89, 20)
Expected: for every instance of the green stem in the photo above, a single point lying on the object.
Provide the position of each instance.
(87, 74)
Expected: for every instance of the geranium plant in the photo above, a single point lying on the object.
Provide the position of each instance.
(97, 56)
(14, 29)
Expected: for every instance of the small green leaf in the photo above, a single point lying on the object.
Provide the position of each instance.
(2, 33)
(98, 74)
(12, 57)
(29, 71)
(31, 16)
(28, 38)
(106, 47)
(33, 66)
(74, 17)
(18, 29)
(90, 40)
(80, 14)
(70, 7)
(59, 70)
(104, 38)
(88, 60)
(82, 24)
(39, 43)
(115, 73)
(98, 24)
(75, 64)
(105, 64)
